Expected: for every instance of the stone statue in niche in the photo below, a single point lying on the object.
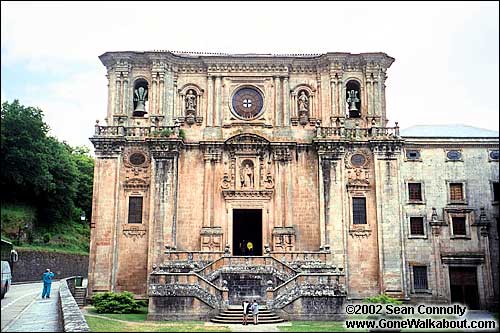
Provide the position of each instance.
(303, 101)
(140, 96)
(190, 101)
(303, 107)
(246, 175)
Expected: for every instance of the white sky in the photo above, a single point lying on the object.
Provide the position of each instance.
(446, 68)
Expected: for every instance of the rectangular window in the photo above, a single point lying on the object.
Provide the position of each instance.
(135, 210)
(415, 191)
(358, 210)
(496, 191)
(459, 225)
(420, 277)
(456, 192)
(417, 226)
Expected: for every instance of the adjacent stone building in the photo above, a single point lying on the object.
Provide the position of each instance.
(201, 154)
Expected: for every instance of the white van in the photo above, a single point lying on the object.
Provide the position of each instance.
(6, 277)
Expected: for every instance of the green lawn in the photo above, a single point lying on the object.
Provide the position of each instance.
(314, 326)
(136, 322)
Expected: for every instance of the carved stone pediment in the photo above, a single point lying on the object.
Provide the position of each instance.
(136, 184)
(247, 142)
(134, 231)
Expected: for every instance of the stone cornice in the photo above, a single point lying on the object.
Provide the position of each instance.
(416, 142)
(277, 64)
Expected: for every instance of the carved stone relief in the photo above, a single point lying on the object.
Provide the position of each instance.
(358, 168)
(136, 163)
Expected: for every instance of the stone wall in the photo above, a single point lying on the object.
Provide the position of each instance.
(72, 317)
(32, 264)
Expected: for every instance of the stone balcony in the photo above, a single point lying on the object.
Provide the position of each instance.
(357, 133)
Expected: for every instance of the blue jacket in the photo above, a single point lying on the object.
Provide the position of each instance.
(47, 277)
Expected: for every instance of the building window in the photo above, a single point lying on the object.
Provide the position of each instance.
(454, 155)
(420, 277)
(358, 210)
(458, 225)
(413, 155)
(456, 192)
(415, 191)
(417, 226)
(494, 155)
(496, 191)
(135, 210)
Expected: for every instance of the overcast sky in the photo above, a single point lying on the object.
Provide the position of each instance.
(446, 69)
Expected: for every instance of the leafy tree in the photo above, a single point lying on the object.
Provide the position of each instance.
(42, 171)
(85, 179)
(25, 168)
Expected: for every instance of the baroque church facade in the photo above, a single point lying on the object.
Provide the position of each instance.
(202, 154)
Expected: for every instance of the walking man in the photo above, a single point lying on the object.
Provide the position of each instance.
(47, 283)
(245, 312)
(255, 312)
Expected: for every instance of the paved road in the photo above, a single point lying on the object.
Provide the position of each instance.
(24, 310)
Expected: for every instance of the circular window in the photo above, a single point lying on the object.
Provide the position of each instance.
(247, 103)
(494, 155)
(358, 160)
(454, 155)
(137, 159)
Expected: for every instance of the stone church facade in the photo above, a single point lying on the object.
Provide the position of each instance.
(202, 153)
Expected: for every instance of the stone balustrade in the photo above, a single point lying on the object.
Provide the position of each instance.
(358, 133)
(136, 131)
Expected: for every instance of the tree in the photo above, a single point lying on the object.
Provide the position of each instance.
(85, 179)
(25, 170)
(40, 170)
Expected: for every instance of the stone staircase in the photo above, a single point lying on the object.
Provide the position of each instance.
(79, 296)
(234, 315)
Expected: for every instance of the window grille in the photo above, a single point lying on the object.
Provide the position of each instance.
(420, 277)
(135, 210)
(359, 210)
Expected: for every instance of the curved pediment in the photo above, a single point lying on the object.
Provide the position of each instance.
(247, 138)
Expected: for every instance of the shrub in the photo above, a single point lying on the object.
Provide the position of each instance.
(166, 132)
(182, 134)
(110, 302)
(382, 299)
(47, 237)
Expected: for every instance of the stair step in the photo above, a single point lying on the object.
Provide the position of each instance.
(238, 321)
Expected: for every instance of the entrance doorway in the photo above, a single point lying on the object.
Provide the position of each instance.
(247, 227)
(463, 286)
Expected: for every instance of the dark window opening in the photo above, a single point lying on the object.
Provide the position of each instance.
(415, 191)
(496, 191)
(135, 210)
(459, 225)
(456, 192)
(413, 155)
(353, 99)
(417, 226)
(141, 92)
(358, 210)
(420, 277)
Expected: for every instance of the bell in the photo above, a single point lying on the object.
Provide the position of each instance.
(140, 98)
(352, 100)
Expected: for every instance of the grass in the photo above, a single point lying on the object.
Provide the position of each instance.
(135, 317)
(136, 322)
(314, 326)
